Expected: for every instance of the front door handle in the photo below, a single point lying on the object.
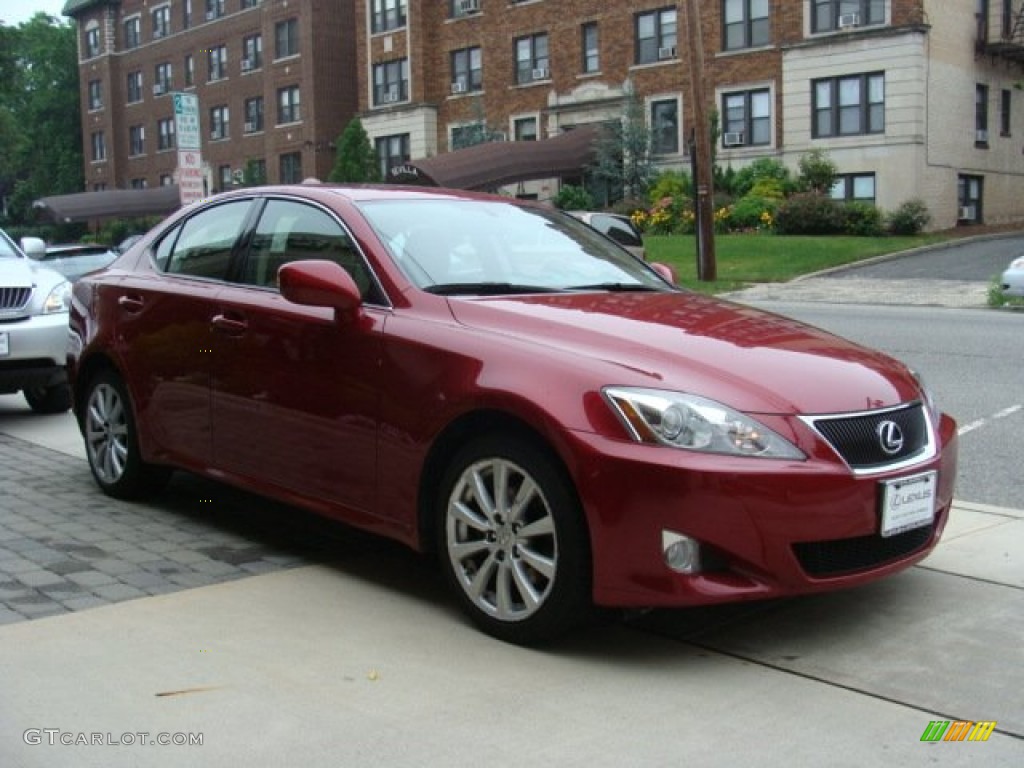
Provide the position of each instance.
(229, 326)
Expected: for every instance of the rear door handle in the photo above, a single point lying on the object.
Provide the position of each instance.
(228, 325)
(130, 303)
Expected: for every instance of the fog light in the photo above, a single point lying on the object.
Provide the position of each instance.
(682, 554)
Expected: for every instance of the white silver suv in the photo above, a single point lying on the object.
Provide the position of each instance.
(34, 302)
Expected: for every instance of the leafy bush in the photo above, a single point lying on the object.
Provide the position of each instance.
(862, 219)
(809, 214)
(768, 188)
(573, 198)
(764, 169)
(748, 214)
(817, 172)
(670, 184)
(909, 219)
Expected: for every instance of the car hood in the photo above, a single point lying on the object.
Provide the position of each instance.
(17, 273)
(749, 359)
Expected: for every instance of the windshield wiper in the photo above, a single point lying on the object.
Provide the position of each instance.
(486, 289)
(613, 287)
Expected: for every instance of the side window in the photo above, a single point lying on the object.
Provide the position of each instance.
(290, 231)
(203, 247)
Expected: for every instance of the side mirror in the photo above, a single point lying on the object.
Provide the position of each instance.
(319, 283)
(665, 271)
(34, 247)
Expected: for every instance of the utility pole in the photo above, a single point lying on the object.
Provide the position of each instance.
(701, 151)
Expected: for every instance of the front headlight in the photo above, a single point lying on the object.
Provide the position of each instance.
(59, 299)
(1017, 263)
(696, 424)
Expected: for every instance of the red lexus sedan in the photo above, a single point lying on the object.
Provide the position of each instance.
(496, 382)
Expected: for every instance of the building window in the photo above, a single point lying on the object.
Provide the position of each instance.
(830, 15)
(467, 70)
(288, 105)
(217, 63)
(981, 115)
(95, 94)
(747, 118)
(854, 187)
(386, 15)
(99, 147)
(165, 133)
(161, 22)
(138, 184)
(390, 82)
(166, 180)
(460, 8)
(524, 129)
(92, 42)
(532, 62)
(253, 115)
(848, 106)
(136, 140)
(131, 32)
(186, 20)
(163, 79)
(252, 52)
(250, 3)
(665, 127)
(214, 9)
(590, 49)
(190, 70)
(655, 36)
(1004, 112)
(286, 38)
(969, 199)
(224, 176)
(291, 168)
(219, 122)
(134, 92)
(744, 24)
(392, 151)
(255, 171)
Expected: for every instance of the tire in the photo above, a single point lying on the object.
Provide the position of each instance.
(112, 444)
(55, 399)
(519, 565)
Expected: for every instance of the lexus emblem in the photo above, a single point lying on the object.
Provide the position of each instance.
(890, 437)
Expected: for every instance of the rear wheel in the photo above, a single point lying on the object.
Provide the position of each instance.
(111, 442)
(55, 399)
(512, 540)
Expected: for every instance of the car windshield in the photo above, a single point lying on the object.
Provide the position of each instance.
(479, 247)
(7, 249)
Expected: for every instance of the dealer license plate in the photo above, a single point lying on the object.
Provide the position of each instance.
(5, 344)
(908, 502)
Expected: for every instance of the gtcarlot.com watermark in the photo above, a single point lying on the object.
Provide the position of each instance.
(59, 737)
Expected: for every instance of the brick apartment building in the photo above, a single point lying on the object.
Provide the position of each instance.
(274, 80)
(910, 98)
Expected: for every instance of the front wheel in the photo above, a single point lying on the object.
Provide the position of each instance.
(55, 399)
(513, 542)
(111, 442)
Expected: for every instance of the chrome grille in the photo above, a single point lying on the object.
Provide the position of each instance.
(855, 437)
(14, 298)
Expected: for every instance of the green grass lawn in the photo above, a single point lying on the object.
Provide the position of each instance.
(745, 259)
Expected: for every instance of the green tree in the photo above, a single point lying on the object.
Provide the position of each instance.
(624, 152)
(356, 161)
(817, 172)
(40, 123)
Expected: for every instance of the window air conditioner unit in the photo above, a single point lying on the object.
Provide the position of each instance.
(250, 127)
(667, 53)
(246, 65)
(847, 20)
(390, 96)
(159, 89)
(459, 86)
(499, 136)
(469, 6)
(157, 34)
(541, 73)
(981, 136)
(211, 15)
(733, 139)
(967, 212)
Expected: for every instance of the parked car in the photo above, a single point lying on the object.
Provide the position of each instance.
(76, 259)
(1012, 280)
(33, 328)
(495, 381)
(618, 227)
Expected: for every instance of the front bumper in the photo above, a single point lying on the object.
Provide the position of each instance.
(770, 528)
(36, 352)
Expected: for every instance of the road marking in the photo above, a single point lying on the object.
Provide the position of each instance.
(970, 427)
